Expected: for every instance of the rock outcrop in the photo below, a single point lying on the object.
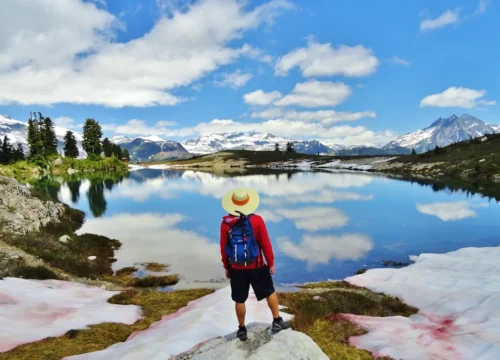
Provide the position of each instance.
(20, 212)
(261, 344)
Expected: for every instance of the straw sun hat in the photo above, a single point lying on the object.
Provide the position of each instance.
(243, 200)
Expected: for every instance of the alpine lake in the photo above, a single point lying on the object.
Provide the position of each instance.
(323, 225)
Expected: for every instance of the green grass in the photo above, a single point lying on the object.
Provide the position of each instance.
(463, 159)
(155, 267)
(319, 318)
(155, 281)
(155, 305)
(10, 267)
(111, 164)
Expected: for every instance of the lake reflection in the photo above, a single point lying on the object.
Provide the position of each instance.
(323, 225)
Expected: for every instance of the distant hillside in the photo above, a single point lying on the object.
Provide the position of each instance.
(151, 148)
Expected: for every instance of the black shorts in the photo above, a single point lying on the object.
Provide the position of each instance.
(260, 279)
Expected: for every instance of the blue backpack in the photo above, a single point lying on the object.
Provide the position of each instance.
(242, 248)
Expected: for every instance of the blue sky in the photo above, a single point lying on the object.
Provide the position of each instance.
(351, 72)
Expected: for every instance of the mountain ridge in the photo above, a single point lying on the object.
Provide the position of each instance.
(441, 132)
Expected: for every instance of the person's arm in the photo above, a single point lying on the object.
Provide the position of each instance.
(265, 244)
(223, 243)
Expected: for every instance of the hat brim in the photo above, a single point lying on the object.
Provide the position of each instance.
(248, 208)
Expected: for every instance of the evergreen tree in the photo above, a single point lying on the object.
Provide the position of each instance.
(70, 148)
(117, 151)
(48, 136)
(107, 147)
(290, 147)
(92, 134)
(277, 147)
(125, 154)
(7, 151)
(34, 143)
(18, 153)
(414, 152)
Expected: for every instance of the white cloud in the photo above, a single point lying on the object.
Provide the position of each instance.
(457, 97)
(341, 134)
(447, 18)
(323, 60)
(166, 123)
(235, 80)
(324, 116)
(316, 249)
(400, 61)
(143, 236)
(65, 122)
(482, 6)
(68, 55)
(315, 93)
(260, 97)
(451, 211)
(315, 218)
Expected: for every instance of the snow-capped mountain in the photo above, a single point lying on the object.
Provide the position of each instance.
(443, 132)
(17, 132)
(249, 141)
(151, 147)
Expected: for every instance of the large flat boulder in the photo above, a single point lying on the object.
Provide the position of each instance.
(261, 344)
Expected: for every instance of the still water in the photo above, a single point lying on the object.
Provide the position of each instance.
(322, 225)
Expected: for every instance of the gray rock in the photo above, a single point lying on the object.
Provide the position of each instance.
(71, 171)
(261, 344)
(64, 239)
(22, 213)
(496, 178)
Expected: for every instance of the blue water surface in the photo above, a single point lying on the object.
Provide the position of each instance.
(322, 225)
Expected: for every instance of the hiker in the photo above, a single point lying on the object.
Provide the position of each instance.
(244, 243)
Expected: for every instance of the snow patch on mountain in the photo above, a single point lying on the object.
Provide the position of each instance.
(17, 132)
(443, 132)
(249, 141)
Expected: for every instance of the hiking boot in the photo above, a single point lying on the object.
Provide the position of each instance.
(279, 324)
(242, 333)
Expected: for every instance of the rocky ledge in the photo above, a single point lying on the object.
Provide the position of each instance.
(21, 212)
(261, 344)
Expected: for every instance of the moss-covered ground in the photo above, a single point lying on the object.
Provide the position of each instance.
(316, 312)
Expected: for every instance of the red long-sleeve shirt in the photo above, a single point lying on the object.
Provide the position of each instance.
(260, 234)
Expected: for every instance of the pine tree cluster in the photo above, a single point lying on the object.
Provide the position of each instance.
(8, 153)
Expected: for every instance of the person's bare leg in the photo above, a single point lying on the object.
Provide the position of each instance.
(241, 311)
(272, 302)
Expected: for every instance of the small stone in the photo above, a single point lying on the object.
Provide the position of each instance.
(57, 162)
(92, 258)
(317, 298)
(482, 160)
(64, 239)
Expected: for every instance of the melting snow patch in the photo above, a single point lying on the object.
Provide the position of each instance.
(132, 167)
(201, 320)
(458, 295)
(159, 167)
(31, 310)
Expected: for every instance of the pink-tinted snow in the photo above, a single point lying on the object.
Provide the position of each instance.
(201, 320)
(31, 310)
(458, 295)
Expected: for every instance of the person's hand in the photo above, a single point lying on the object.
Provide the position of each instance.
(227, 274)
(271, 269)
